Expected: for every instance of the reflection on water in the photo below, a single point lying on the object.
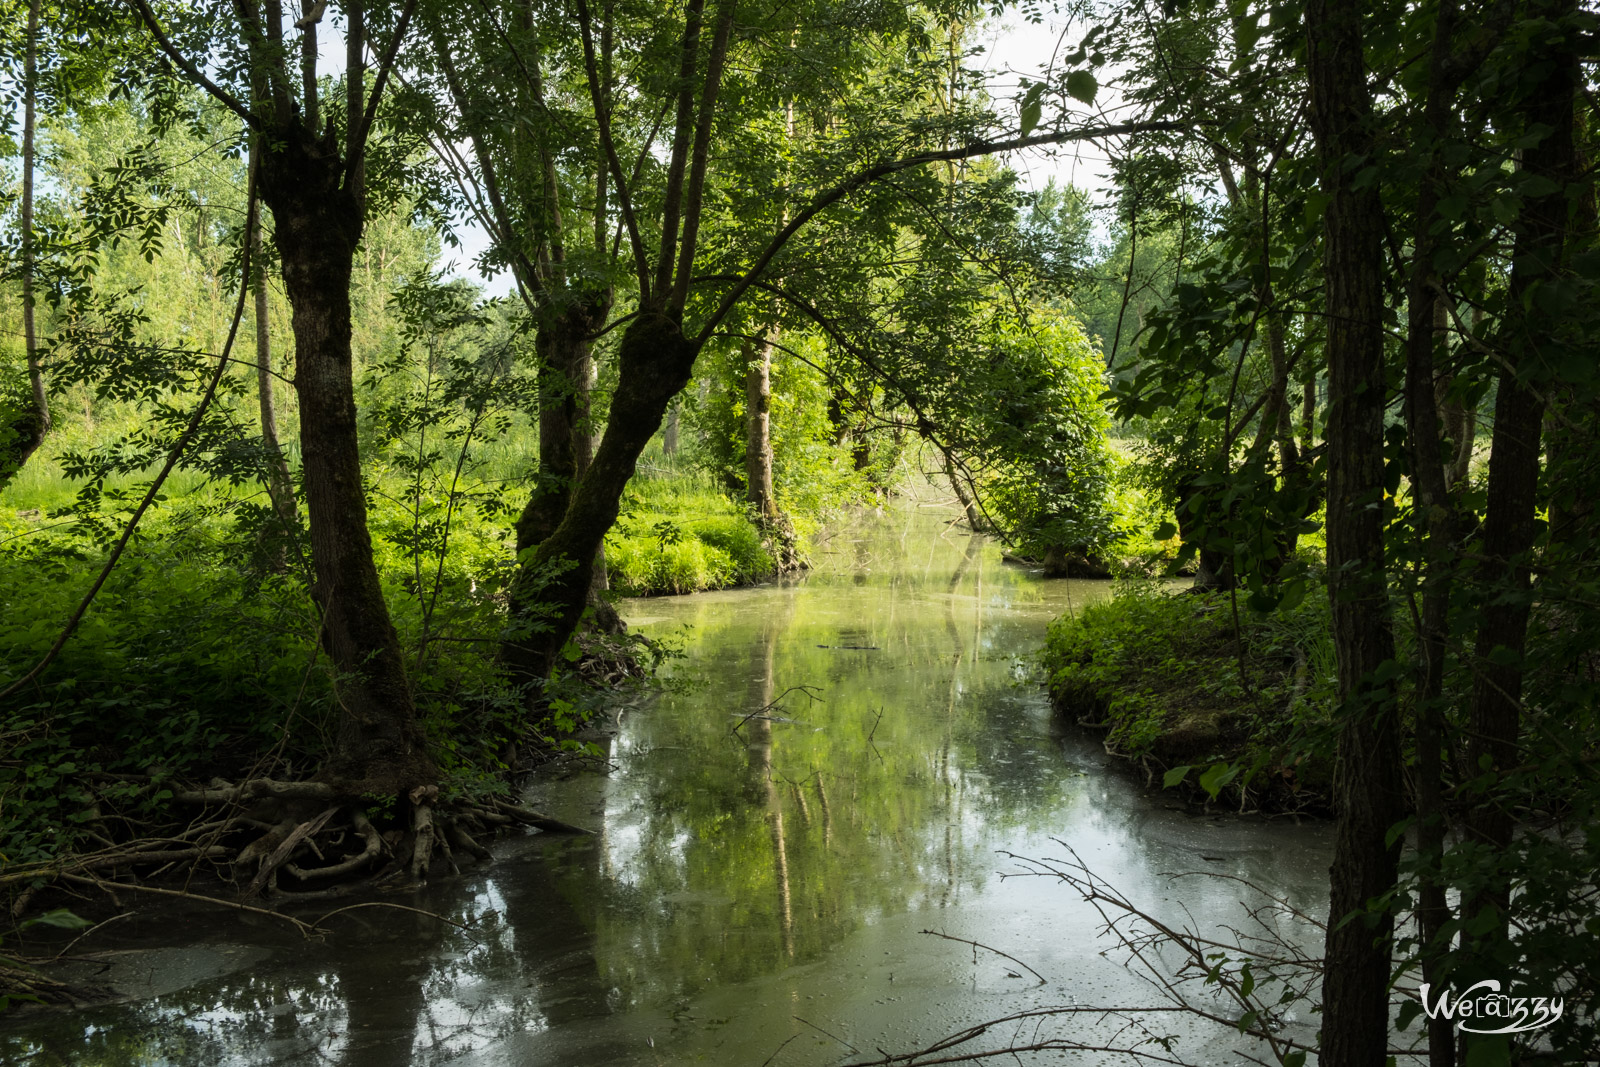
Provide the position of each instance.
(759, 876)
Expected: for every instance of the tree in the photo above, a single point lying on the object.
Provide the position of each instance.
(658, 347)
(79, 47)
(1355, 1026)
(313, 174)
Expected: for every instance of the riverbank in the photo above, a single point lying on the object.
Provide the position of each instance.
(679, 533)
(1237, 718)
(747, 869)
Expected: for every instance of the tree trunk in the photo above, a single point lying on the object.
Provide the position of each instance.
(380, 746)
(280, 488)
(32, 426)
(655, 361)
(565, 449)
(758, 430)
(1355, 1025)
(968, 505)
(669, 435)
(1510, 520)
(1435, 518)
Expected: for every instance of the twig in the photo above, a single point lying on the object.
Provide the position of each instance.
(305, 928)
(825, 1033)
(988, 948)
(397, 907)
(809, 690)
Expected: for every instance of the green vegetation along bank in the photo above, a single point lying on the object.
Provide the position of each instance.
(1236, 716)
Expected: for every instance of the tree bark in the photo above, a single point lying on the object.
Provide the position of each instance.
(318, 220)
(1511, 520)
(34, 425)
(1355, 989)
(758, 430)
(280, 488)
(1435, 518)
(565, 452)
(655, 361)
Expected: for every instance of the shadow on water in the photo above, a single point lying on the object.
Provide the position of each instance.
(756, 881)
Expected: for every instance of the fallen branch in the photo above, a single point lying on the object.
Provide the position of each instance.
(307, 929)
(255, 789)
(534, 818)
(977, 945)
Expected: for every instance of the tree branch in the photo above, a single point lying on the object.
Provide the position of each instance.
(358, 144)
(672, 208)
(882, 170)
(702, 152)
(183, 63)
(602, 115)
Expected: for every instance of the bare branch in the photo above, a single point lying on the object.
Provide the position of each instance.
(185, 64)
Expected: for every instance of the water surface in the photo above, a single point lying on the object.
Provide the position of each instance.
(841, 763)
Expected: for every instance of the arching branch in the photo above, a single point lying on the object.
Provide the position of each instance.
(866, 177)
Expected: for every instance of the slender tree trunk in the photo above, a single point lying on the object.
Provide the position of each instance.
(1436, 517)
(1458, 421)
(1511, 520)
(35, 425)
(968, 505)
(669, 435)
(380, 746)
(1355, 1025)
(758, 430)
(280, 488)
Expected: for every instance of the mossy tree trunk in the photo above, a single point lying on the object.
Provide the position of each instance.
(318, 221)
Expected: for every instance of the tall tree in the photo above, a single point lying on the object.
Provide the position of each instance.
(313, 175)
(658, 347)
(1355, 1025)
(1544, 96)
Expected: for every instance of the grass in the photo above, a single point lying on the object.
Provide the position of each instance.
(1161, 672)
(681, 534)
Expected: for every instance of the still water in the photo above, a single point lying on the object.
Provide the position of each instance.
(759, 885)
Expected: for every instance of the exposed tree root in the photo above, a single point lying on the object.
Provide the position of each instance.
(281, 842)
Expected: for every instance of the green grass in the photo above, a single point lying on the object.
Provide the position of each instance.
(681, 534)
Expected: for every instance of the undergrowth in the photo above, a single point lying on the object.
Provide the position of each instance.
(681, 535)
(1174, 688)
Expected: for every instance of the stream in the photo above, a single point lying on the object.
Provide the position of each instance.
(759, 882)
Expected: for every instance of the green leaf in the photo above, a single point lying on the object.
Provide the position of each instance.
(1217, 778)
(1165, 532)
(1176, 775)
(1031, 105)
(60, 917)
(1081, 85)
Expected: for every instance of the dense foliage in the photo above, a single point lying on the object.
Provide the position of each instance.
(764, 263)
